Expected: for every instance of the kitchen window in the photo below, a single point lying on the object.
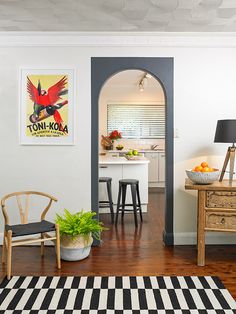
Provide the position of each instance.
(137, 120)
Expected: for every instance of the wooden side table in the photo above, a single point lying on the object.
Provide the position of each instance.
(216, 211)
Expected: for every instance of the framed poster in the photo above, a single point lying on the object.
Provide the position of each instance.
(47, 106)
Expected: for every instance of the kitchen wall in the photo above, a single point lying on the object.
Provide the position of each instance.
(204, 78)
(123, 88)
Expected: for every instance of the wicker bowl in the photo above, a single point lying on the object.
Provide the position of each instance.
(203, 177)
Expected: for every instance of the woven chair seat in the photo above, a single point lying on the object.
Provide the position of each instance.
(31, 228)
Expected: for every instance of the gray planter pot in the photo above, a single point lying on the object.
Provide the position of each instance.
(75, 254)
(75, 248)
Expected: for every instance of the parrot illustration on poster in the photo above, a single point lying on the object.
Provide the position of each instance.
(46, 103)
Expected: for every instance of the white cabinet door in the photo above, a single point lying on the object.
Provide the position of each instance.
(162, 158)
(139, 172)
(114, 172)
(153, 167)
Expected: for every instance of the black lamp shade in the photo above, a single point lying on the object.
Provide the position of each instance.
(225, 131)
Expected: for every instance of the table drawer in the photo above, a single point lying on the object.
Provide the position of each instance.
(221, 199)
(221, 221)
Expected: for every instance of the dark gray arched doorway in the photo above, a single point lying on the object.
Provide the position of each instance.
(102, 68)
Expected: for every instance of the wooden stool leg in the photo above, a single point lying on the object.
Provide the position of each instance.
(124, 188)
(4, 248)
(118, 204)
(9, 253)
(42, 245)
(139, 203)
(133, 192)
(110, 200)
(58, 247)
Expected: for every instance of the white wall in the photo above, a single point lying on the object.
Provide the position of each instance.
(204, 79)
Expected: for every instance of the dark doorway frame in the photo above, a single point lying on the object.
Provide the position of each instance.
(103, 68)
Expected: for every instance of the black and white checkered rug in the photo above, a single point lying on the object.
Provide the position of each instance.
(144, 295)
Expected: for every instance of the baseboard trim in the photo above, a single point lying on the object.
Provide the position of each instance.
(190, 238)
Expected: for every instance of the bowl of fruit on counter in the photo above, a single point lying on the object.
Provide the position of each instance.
(133, 154)
(119, 147)
(203, 174)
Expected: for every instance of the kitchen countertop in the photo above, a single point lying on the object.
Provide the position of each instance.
(159, 150)
(104, 160)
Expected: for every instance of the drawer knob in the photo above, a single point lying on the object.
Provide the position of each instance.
(222, 221)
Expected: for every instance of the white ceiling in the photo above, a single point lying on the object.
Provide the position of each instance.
(125, 85)
(132, 78)
(118, 15)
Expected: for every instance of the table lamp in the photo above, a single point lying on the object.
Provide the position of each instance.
(226, 133)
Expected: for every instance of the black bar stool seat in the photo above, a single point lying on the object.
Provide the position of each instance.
(122, 205)
(109, 202)
(105, 179)
(129, 181)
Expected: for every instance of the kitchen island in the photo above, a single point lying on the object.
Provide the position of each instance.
(121, 168)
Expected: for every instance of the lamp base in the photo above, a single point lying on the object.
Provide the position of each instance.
(229, 158)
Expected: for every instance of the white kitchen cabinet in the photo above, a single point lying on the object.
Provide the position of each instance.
(114, 172)
(161, 166)
(138, 173)
(156, 170)
(153, 167)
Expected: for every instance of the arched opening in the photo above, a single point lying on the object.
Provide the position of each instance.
(162, 70)
(132, 102)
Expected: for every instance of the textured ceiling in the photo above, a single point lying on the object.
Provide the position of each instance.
(118, 15)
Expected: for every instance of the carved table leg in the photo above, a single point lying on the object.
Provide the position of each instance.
(200, 229)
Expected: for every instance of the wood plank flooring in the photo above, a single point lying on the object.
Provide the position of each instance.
(127, 251)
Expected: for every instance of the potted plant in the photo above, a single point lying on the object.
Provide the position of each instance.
(77, 231)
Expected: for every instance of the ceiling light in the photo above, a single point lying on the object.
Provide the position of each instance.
(141, 89)
(143, 82)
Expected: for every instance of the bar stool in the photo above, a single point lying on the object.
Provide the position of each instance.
(121, 205)
(109, 202)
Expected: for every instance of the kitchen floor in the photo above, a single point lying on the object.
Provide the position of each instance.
(153, 222)
(131, 252)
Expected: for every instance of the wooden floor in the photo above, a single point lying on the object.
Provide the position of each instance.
(127, 251)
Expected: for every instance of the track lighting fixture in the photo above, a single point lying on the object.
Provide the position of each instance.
(144, 81)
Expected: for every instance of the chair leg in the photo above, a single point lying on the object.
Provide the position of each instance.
(58, 247)
(118, 204)
(133, 192)
(110, 200)
(139, 204)
(9, 253)
(124, 188)
(4, 248)
(42, 245)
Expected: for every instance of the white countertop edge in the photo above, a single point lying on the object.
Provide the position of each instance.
(140, 151)
(122, 161)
